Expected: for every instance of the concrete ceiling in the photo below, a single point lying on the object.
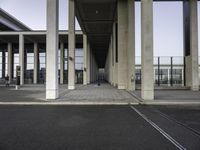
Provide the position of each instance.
(96, 20)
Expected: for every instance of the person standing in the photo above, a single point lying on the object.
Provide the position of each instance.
(7, 81)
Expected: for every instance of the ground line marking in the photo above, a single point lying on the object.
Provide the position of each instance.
(166, 135)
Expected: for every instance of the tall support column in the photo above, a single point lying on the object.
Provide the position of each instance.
(88, 64)
(10, 62)
(21, 58)
(62, 62)
(131, 45)
(3, 63)
(191, 44)
(36, 63)
(71, 43)
(52, 50)
(122, 43)
(115, 77)
(85, 69)
(147, 50)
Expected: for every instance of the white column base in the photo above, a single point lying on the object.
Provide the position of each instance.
(195, 88)
(147, 95)
(71, 87)
(52, 94)
(121, 87)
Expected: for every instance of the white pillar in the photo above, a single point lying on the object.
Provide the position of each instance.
(21, 58)
(71, 43)
(122, 43)
(115, 77)
(85, 69)
(147, 49)
(36, 61)
(194, 45)
(52, 50)
(10, 62)
(62, 62)
(131, 45)
(88, 63)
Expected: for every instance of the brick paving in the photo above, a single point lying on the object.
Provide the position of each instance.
(104, 92)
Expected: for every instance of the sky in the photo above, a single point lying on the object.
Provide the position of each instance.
(168, 22)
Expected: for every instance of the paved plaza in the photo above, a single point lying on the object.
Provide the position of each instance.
(88, 94)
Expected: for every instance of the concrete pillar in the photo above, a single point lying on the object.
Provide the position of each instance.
(85, 69)
(52, 50)
(147, 50)
(191, 44)
(115, 72)
(131, 45)
(122, 43)
(10, 62)
(21, 58)
(194, 45)
(71, 43)
(3, 63)
(88, 63)
(36, 63)
(62, 62)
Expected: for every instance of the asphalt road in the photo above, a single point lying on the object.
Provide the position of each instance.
(87, 128)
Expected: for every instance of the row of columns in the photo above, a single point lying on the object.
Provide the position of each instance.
(121, 73)
(52, 52)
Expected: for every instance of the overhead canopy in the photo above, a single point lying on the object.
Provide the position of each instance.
(96, 20)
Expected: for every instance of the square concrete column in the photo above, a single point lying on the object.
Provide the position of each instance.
(147, 50)
(21, 58)
(10, 62)
(115, 72)
(191, 44)
(122, 43)
(88, 63)
(36, 65)
(131, 45)
(62, 62)
(194, 45)
(52, 50)
(71, 44)
(85, 69)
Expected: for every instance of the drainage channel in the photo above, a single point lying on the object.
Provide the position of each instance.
(155, 126)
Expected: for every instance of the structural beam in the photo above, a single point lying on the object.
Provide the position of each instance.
(52, 50)
(71, 44)
(147, 49)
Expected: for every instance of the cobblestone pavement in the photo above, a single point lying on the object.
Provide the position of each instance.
(104, 92)
(89, 93)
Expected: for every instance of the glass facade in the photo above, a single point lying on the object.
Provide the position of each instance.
(168, 71)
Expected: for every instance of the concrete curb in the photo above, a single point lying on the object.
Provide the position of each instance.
(171, 102)
(65, 103)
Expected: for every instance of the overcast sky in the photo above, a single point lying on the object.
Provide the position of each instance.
(168, 22)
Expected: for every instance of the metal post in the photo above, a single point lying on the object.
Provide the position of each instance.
(171, 71)
(184, 69)
(158, 71)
